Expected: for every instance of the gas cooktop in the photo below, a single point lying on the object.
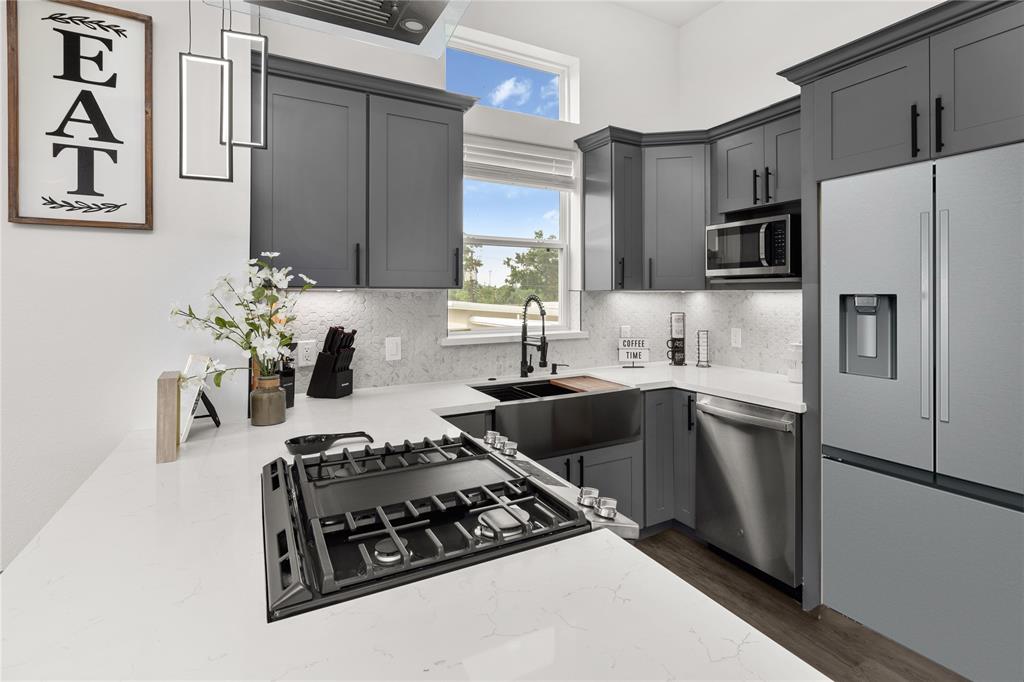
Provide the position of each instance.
(345, 524)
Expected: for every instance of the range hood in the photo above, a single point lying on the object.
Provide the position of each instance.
(418, 26)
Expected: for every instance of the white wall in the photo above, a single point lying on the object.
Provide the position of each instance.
(729, 55)
(85, 327)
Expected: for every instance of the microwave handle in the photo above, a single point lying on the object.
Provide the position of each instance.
(763, 249)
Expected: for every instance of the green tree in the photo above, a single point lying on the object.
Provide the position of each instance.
(532, 271)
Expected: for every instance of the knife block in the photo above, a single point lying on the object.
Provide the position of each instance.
(332, 377)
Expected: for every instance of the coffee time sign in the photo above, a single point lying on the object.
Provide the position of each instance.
(79, 112)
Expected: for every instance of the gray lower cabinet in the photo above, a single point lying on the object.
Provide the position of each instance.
(613, 217)
(739, 165)
(673, 217)
(782, 160)
(308, 195)
(415, 195)
(669, 447)
(617, 471)
(925, 567)
(874, 114)
(977, 87)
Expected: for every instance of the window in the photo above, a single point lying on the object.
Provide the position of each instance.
(514, 246)
(506, 74)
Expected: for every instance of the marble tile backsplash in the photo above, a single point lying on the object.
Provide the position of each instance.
(769, 322)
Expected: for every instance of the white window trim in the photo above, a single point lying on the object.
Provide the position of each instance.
(515, 163)
(566, 67)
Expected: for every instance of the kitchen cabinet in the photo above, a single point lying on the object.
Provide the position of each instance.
(308, 197)
(782, 160)
(476, 424)
(669, 447)
(415, 197)
(977, 91)
(616, 471)
(874, 114)
(759, 166)
(361, 182)
(673, 217)
(612, 217)
(739, 164)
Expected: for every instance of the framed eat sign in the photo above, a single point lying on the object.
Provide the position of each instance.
(80, 130)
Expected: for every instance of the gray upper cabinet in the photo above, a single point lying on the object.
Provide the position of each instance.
(673, 217)
(739, 166)
(613, 216)
(415, 171)
(308, 195)
(874, 114)
(977, 87)
(782, 160)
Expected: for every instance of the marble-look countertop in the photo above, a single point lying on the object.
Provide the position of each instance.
(156, 571)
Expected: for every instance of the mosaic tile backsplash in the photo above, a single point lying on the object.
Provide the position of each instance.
(769, 322)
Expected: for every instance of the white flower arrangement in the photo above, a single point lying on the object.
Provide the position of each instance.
(257, 316)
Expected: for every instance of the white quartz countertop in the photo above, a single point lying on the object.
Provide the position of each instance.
(156, 571)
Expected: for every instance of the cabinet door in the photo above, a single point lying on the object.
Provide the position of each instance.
(685, 457)
(979, 199)
(308, 194)
(627, 217)
(415, 175)
(673, 217)
(739, 165)
(976, 84)
(599, 273)
(864, 116)
(562, 466)
(660, 436)
(781, 181)
(616, 471)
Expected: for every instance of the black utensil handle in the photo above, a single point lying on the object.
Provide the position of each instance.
(567, 472)
(622, 273)
(458, 269)
(358, 265)
(914, 149)
(689, 413)
(938, 124)
(650, 273)
(579, 461)
(351, 434)
(767, 192)
(754, 183)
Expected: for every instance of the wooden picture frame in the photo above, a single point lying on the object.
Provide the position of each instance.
(103, 31)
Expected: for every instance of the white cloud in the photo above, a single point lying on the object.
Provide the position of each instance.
(550, 89)
(517, 90)
(551, 216)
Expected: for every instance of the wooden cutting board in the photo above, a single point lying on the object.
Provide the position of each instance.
(584, 384)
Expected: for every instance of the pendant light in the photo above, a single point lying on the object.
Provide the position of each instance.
(248, 52)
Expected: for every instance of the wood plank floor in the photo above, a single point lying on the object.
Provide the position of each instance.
(837, 646)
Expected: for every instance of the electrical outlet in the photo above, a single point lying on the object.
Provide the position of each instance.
(393, 348)
(737, 340)
(625, 331)
(305, 355)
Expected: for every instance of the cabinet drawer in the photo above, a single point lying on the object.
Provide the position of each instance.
(864, 116)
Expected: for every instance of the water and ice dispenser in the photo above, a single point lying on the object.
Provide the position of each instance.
(867, 335)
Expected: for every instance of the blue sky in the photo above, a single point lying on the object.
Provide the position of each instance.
(506, 211)
(501, 84)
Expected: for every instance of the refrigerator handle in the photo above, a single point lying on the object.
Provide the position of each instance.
(926, 308)
(943, 295)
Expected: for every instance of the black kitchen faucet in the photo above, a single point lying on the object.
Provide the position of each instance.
(525, 367)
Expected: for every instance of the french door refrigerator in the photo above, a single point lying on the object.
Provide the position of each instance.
(922, 402)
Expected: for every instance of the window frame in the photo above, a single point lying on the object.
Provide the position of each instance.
(565, 67)
(561, 243)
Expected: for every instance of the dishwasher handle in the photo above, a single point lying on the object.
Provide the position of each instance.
(743, 418)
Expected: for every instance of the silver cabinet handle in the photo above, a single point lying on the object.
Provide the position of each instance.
(926, 308)
(943, 368)
(762, 238)
(742, 418)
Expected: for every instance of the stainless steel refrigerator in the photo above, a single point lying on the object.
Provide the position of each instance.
(922, 403)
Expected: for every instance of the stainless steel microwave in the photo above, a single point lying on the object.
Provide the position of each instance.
(761, 247)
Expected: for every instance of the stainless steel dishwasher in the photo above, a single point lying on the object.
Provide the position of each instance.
(748, 484)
